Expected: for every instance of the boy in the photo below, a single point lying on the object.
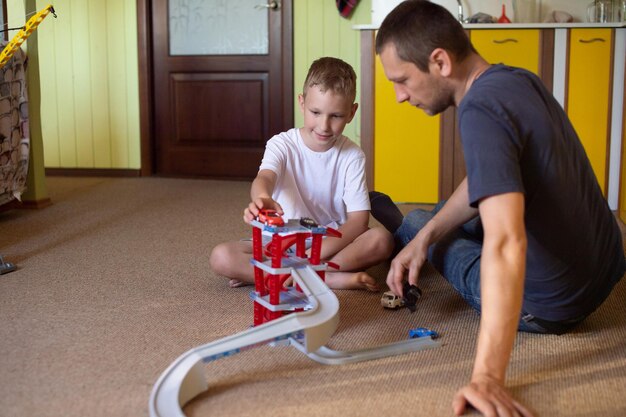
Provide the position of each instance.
(316, 172)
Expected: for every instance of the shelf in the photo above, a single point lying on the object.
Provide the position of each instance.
(521, 25)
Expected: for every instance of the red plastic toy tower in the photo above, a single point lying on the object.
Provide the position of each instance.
(273, 265)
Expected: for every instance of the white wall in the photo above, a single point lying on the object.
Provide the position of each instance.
(577, 8)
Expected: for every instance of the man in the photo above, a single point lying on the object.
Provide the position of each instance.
(527, 238)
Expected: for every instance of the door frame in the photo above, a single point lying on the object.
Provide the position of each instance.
(146, 89)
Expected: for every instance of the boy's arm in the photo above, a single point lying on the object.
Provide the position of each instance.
(355, 225)
(261, 195)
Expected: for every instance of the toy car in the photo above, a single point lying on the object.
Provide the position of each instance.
(410, 296)
(270, 217)
(392, 301)
(308, 222)
(422, 332)
(409, 299)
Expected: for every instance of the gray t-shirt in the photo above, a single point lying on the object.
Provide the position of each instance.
(517, 138)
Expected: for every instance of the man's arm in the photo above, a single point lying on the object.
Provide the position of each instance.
(502, 269)
(453, 214)
(356, 224)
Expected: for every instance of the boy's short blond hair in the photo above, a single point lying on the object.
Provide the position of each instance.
(330, 73)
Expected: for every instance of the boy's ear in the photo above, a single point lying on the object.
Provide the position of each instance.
(441, 61)
(301, 101)
(355, 106)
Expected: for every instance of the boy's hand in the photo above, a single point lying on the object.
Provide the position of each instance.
(252, 211)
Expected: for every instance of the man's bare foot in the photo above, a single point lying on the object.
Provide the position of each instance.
(235, 283)
(351, 281)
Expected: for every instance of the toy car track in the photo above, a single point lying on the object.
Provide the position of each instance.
(313, 316)
(308, 331)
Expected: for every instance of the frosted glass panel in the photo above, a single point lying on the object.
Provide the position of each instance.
(218, 27)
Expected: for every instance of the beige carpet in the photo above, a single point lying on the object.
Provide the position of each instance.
(113, 284)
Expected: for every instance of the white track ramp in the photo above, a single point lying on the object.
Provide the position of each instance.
(184, 378)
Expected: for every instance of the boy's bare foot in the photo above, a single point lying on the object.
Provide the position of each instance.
(235, 283)
(351, 281)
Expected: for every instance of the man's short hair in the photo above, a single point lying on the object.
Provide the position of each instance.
(333, 74)
(418, 27)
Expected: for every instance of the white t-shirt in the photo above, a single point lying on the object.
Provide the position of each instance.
(325, 186)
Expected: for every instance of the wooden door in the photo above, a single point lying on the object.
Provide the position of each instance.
(216, 102)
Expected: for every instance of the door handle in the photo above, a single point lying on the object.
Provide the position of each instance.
(272, 5)
(592, 40)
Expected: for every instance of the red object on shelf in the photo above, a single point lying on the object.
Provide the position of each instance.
(503, 18)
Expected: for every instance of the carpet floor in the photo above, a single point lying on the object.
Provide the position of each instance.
(113, 284)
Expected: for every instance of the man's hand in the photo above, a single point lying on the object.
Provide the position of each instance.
(453, 214)
(489, 397)
(409, 260)
(252, 211)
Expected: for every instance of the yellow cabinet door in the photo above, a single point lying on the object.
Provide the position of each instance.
(589, 94)
(406, 147)
(514, 47)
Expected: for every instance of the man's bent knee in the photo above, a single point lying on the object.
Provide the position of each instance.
(384, 242)
(413, 222)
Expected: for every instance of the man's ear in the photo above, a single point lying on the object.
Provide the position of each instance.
(441, 61)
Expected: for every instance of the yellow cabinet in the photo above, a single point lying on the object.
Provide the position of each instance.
(589, 94)
(410, 150)
(407, 158)
(406, 149)
(514, 47)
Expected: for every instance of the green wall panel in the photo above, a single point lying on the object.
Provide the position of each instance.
(89, 83)
(89, 74)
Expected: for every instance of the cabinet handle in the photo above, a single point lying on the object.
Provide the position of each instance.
(592, 40)
(507, 40)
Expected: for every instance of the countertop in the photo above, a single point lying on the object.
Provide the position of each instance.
(521, 25)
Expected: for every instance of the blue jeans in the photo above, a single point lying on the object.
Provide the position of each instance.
(457, 258)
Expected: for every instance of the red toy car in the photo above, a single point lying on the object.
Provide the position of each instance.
(270, 217)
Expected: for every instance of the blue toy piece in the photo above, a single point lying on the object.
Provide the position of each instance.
(422, 332)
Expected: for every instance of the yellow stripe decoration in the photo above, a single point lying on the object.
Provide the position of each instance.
(24, 33)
